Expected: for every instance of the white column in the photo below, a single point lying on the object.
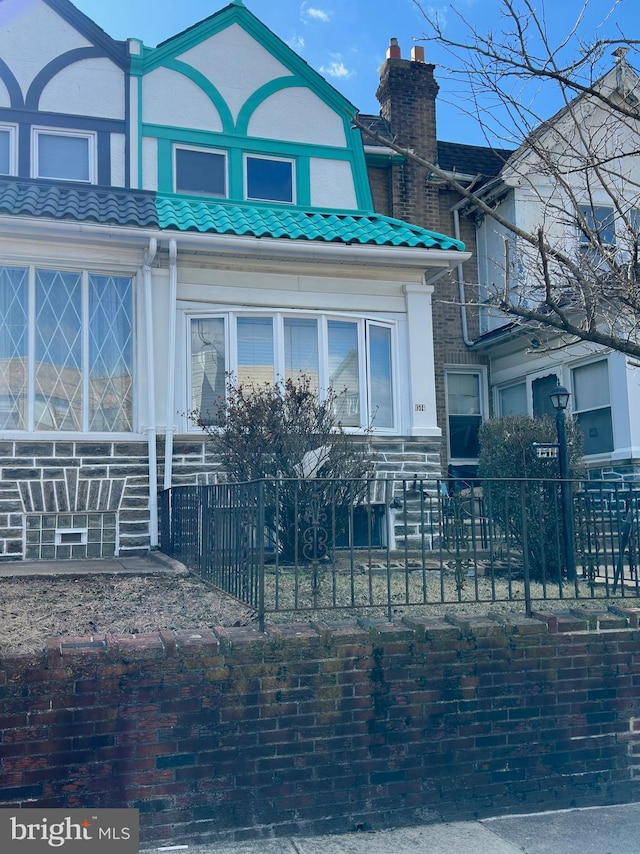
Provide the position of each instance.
(422, 386)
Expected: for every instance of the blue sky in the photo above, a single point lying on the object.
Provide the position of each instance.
(346, 40)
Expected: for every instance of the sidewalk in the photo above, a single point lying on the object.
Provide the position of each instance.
(595, 830)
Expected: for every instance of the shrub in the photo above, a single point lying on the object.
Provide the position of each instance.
(508, 464)
(287, 435)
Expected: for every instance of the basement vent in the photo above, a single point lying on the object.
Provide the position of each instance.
(71, 536)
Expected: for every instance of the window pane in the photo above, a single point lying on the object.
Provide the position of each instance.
(110, 354)
(597, 431)
(301, 350)
(463, 403)
(201, 172)
(271, 180)
(540, 390)
(463, 394)
(58, 349)
(208, 367)
(381, 391)
(344, 374)
(591, 386)
(13, 348)
(65, 157)
(463, 436)
(5, 152)
(513, 400)
(255, 350)
(600, 221)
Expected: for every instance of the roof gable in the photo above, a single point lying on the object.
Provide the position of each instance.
(236, 13)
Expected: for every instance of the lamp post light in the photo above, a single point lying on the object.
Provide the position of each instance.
(560, 400)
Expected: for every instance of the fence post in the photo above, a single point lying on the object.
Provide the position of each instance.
(261, 526)
(525, 550)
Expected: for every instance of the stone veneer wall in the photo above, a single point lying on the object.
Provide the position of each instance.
(68, 481)
(103, 488)
(230, 733)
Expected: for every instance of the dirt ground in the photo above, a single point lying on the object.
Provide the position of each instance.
(35, 609)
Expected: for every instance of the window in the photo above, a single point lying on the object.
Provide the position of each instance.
(269, 179)
(592, 406)
(600, 223)
(512, 400)
(66, 351)
(7, 150)
(65, 156)
(200, 171)
(352, 356)
(464, 408)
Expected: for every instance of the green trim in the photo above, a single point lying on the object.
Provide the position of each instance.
(236, 173)
(207, 87)
(303, 182)
(382, 160)
(254, 101)
(359, 167)
(165, 166)
(140, 161)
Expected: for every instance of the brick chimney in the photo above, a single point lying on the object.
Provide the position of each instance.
(407, 95)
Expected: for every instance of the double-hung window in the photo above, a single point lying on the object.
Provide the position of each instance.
(464, 410)
(353, 357)
(66, 351)
(592, 406)
(269, 179)
(64, 155)
(200, 171)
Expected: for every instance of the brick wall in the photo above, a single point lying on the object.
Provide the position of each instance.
(233, 734)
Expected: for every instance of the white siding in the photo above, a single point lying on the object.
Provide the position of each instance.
(299, 115)
(332, 184)
(93, 87)
(31, 35)
(236, 63)
(169, 98)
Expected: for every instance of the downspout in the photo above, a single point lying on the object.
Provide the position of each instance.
(460, 276)
(149, 256)
(173, 293)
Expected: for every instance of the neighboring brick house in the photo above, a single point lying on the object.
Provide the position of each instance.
(486, 364)
(407, 94)
(168, 215)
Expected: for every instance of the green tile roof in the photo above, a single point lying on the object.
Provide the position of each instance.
(293, 224)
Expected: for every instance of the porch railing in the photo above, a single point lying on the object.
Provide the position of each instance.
(303, 546)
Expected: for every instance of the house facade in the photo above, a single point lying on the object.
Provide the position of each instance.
(486, 363)
(170, 216)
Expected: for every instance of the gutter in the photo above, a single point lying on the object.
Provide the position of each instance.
(150, 254)
(171, 385)
(261, 247)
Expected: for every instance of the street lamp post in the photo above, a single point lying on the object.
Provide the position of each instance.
(560, 399)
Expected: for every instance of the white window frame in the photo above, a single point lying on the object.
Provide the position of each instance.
(504, 386)
(481, 373)
(84, 433)
(230, 317)
(573, 401)
(290, 160)
(12, 129)
(179, 146)
(92, 149)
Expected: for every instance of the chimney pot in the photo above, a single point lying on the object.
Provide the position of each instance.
(417, 53)
(393, 51)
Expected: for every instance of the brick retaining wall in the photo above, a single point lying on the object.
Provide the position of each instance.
(231, 733)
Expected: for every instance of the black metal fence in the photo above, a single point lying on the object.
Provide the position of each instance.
(301, 546)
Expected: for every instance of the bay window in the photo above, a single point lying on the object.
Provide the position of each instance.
(351, 356)
(66, 351)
